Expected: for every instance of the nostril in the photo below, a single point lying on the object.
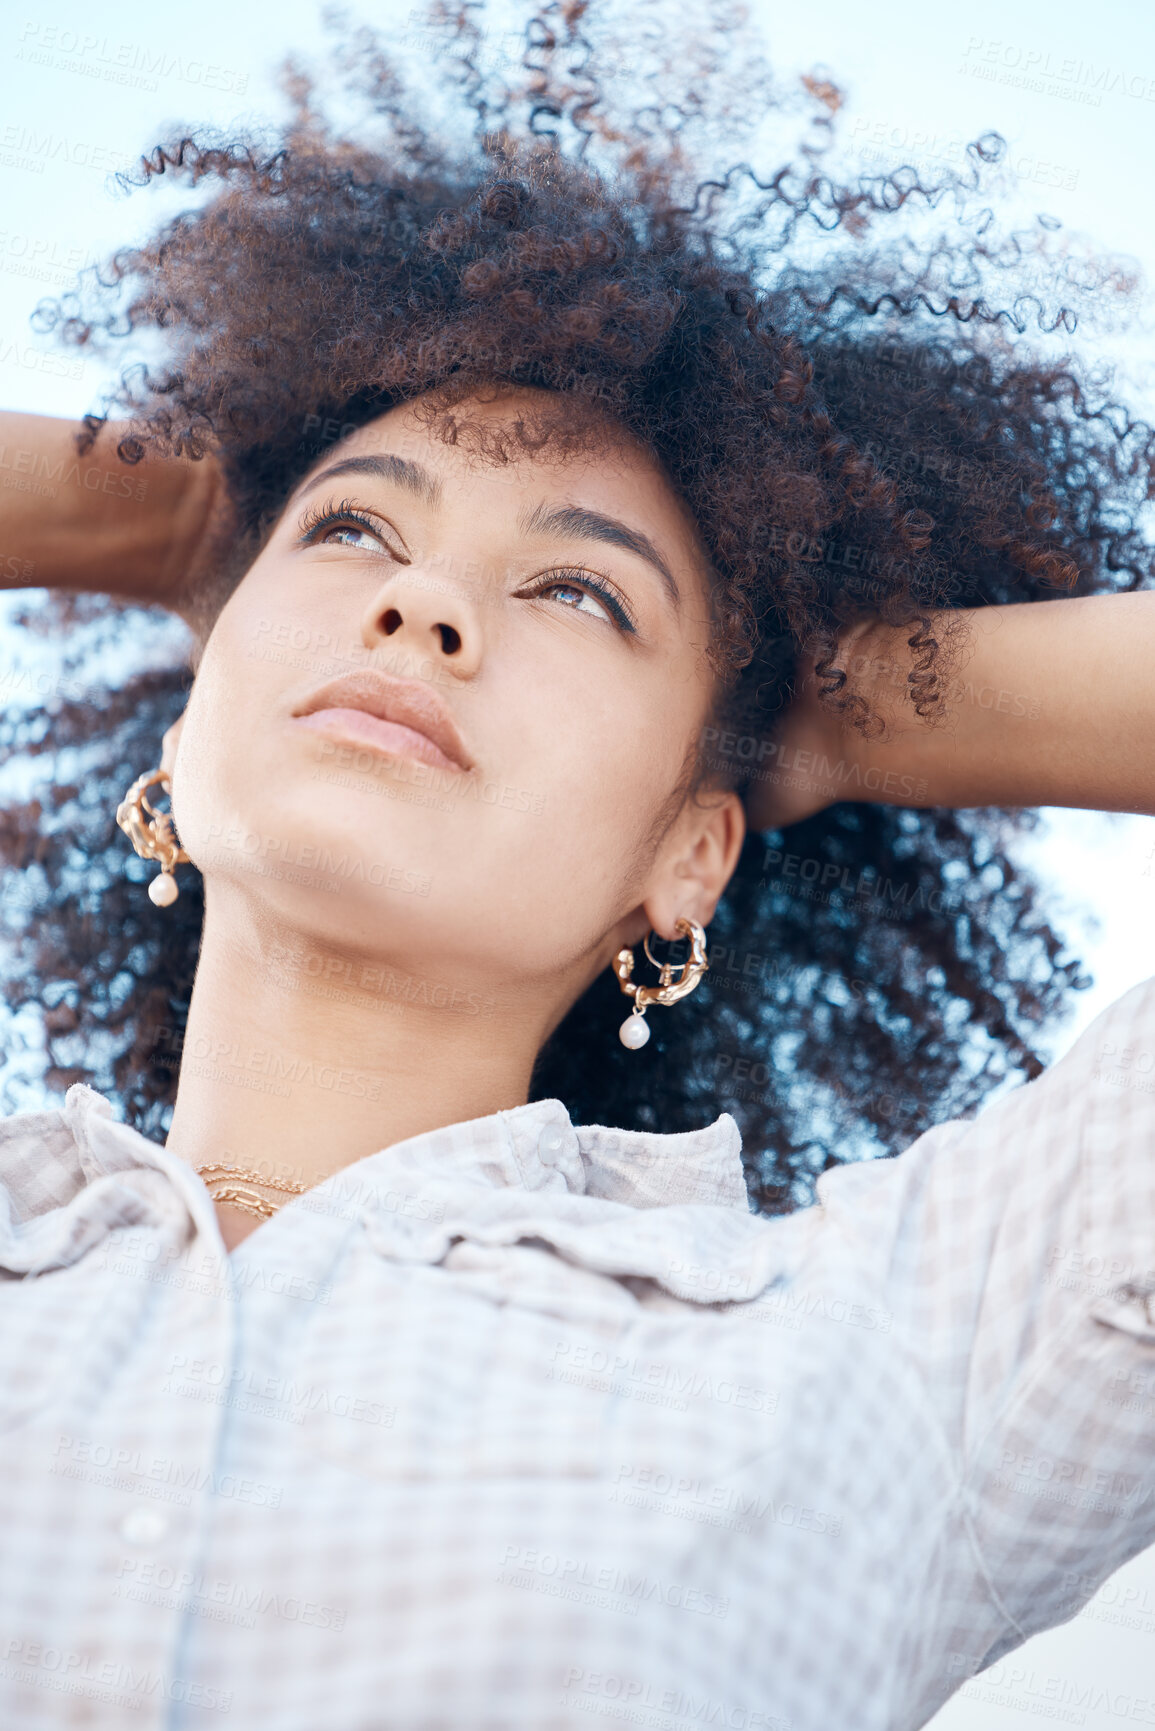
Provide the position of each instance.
(450, 639)
(391, 621)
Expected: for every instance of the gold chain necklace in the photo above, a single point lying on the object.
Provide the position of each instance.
(231, 1184)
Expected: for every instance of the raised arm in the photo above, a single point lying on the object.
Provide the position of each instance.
(1047, 703)
(95, 523)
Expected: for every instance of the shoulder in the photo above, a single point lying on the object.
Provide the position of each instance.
(1084, 1125)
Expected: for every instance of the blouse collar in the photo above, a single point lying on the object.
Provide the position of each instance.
(533, 1147)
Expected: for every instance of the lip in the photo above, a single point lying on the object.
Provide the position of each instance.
(400, 717)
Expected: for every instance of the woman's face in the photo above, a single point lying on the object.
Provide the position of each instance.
(447, 715)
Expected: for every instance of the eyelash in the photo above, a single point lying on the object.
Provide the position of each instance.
(578, 578)
(338, 515)
(334, 516)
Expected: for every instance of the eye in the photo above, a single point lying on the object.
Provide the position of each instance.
(585, 593)
(350, 535)
(343, 525)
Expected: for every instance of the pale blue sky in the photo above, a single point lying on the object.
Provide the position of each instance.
(1072, 88)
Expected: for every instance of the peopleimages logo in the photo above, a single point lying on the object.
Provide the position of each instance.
(719, 1505)
(332, 976)
(732, 749)
(77, 1673)
(598, 1366)
(277, 1397)
(269, 852)
(133, 1470)
(829, 876)
(212, 1597)
(1029, 1690)
(129, 63)
(1026, 65)
(529, 1566)
(24, 147)
(633, 1696)
(226, 1055)
(36, 467)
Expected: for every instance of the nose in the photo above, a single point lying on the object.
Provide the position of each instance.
(426, 618)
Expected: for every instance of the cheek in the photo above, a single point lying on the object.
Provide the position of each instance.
(609, 762)
(203, 773)
(219, 765)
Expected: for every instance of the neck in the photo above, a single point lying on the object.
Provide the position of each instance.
(298, 1061)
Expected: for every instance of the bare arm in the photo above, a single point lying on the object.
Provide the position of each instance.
(1047, 703)
(93, 522)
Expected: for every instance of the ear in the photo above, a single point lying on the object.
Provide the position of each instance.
(697, 864)
(169, 744)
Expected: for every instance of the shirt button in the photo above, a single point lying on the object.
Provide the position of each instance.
(143, 1527)
(550, 1145)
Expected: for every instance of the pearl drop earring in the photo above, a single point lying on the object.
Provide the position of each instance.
(635, 1030)
(154, 836)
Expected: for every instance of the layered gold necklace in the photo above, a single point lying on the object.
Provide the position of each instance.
(234, 1185)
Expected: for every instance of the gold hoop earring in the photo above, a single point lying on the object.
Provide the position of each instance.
(153, 836)
(635, 1030)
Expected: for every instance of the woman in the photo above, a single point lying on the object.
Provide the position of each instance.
(380, 1394)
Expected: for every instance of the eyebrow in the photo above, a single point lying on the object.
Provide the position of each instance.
(573, 520)
(386, 467)
(587, 525)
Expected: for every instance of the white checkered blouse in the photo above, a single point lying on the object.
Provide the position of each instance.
(522, 1426)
